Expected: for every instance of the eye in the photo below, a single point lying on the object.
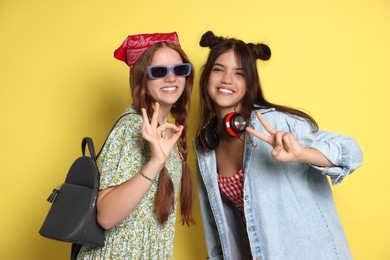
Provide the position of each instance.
(239, 73)
(159, 71)
(217, 69)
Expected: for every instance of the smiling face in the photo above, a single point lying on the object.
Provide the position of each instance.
(226, 85)
(167, 90)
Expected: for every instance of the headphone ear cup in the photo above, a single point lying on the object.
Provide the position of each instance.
(208, 138)
(234, 124)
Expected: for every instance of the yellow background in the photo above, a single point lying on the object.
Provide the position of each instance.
(59, 82)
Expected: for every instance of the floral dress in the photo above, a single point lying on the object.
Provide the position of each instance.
(139, 235)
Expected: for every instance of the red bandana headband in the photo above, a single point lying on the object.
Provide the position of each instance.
(135, 45)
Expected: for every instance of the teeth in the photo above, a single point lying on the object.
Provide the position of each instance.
(169, 89)
(224, 90)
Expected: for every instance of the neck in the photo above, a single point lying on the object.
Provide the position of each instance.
(221, 112)
(163, 114)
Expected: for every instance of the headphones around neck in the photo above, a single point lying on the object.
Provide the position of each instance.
(234, 125)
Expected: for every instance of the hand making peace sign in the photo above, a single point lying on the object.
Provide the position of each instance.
(160, 146)
(285, 147)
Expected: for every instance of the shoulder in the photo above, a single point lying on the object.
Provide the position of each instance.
(131, 118)
(128, 125)
(125, 133)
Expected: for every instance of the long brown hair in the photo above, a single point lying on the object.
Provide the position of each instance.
(165, 201)
(246, 54)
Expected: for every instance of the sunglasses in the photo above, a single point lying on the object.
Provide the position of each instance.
(161, 71)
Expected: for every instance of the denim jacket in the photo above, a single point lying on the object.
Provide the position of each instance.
(289, 207)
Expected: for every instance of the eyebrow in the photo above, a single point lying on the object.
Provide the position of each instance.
(221, 65)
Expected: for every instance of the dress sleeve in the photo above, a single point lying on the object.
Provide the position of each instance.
(124, 152)
(342, 151)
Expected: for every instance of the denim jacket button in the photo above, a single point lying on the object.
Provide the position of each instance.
(246, 197)
(251, 228)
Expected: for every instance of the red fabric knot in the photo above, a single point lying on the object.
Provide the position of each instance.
(135, 45)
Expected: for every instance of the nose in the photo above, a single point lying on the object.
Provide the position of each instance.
(170, 77)
(226, 79)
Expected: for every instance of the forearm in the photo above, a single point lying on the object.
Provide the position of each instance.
(314, 157)
(116, 203)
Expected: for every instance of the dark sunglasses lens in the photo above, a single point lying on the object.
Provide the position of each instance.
(159, 72)
(182, 70)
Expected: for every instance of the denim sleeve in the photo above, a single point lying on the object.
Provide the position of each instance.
(342, 151)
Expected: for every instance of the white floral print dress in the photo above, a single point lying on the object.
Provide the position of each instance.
(139, 236)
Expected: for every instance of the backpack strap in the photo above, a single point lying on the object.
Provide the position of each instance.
(88, 140)
(117, 121)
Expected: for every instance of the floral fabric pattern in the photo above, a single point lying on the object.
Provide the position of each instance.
(139, 235)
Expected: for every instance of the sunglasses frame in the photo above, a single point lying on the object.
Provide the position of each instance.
(169, 69)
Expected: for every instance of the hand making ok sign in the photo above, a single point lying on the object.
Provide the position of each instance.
(160, 146)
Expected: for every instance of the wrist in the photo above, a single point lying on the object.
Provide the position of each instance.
(304, 157)
(146, 177)
(156, 165)
(152, 169)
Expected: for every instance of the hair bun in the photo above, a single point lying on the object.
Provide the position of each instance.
(209, 39)
(260, 50)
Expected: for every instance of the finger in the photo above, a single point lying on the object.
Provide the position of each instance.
(145, 124)
(259, 135)
(266, 125)
(154, 121)
(287, 141)
(279, 138)
(169, 126)
(177, 132)
(144, 115)
(276, 151)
